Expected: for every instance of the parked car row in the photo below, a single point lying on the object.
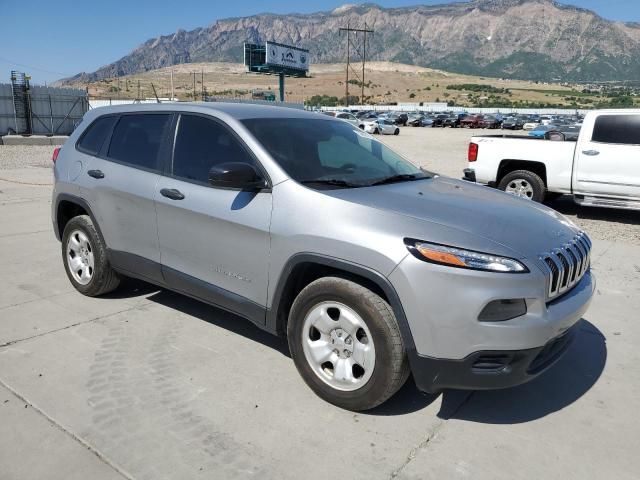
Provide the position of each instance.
(388, 122)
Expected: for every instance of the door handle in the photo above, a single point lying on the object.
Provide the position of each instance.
(591, 153)
(172, 193)
(95, 174)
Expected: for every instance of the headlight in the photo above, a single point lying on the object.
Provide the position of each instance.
(460, 258)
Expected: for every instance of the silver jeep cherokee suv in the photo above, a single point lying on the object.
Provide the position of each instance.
(313, 229)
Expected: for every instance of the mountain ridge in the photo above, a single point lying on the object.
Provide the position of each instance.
(527, 39)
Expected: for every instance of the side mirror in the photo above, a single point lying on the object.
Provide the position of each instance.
(236, 175)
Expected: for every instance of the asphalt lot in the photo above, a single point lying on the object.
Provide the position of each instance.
(147, 384)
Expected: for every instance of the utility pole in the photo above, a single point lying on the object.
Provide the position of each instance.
(139, 90)
(364, 31)
(364, 59)
(172, 97)
(202, 86)
(346, 81)
(194, 86)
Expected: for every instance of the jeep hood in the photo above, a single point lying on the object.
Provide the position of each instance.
(520, 225)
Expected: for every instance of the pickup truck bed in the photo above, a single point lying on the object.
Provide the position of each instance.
(514, 151)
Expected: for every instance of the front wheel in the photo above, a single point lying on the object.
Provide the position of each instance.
(346, 344)
(524, 184)
(376, 131)
(397, 131)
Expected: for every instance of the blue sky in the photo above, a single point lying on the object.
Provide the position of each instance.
(52, 39)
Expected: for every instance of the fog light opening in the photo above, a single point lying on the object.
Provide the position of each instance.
(503, 310)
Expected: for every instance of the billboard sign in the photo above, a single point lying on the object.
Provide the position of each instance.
(286, 56)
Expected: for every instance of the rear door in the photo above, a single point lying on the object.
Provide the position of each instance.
(214, 242)
(608, 161)
(121, 185)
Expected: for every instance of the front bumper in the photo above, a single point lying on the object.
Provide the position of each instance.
(449, 345)
(488, 370)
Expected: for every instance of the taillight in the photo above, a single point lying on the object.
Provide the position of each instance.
(56, 152)
(473, 152)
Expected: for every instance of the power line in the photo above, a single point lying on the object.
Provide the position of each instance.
(11, 62)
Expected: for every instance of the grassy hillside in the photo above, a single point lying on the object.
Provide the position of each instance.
(384, 82)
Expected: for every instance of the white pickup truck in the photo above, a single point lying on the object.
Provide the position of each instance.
(601, 168)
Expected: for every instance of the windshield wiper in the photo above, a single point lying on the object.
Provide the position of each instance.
(332, 182)
(405, 177)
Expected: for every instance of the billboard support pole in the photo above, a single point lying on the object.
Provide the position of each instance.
(281, 77)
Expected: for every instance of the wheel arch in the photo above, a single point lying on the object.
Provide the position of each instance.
(302, 269)
(507, 166)
(70, 206)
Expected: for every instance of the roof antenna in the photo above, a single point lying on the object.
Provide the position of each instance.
(154, 93)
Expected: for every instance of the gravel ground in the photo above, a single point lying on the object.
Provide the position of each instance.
(19, 156)
(441, 150)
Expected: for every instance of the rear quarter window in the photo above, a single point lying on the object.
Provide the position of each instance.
(94, 136)
(617, 129)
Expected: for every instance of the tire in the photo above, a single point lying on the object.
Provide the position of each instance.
(376, 132)
(397, 131)
(94, 276)
(375, 338)
(525, 184)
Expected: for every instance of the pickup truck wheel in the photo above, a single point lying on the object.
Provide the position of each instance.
(346, 344)
(525, 184)
(85, 258)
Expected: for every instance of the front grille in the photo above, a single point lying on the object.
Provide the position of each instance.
(567, 265)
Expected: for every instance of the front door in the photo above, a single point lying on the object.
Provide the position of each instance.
(214, 242)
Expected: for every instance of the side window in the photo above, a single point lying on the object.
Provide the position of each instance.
(202, 143)
(95, 135)
(137, 138)
(618, 129)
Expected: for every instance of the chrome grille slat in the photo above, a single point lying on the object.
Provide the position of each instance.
(566, 265)
(581, 257)
(573, 260)
(565, 270)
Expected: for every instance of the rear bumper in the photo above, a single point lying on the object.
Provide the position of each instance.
(488, 370)
(469, 175)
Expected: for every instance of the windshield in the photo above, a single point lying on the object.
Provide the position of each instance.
(330, 153)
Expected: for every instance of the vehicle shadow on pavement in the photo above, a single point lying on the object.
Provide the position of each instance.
(131, 288)
(560, 386)
(567, 206)
(564, 383)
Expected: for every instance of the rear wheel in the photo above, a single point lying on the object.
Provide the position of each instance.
(524, 184)
(376, 131)
(397, 131)
(346, 344)
(85, 258)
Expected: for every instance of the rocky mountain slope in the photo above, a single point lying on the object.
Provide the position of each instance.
(527, 39)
